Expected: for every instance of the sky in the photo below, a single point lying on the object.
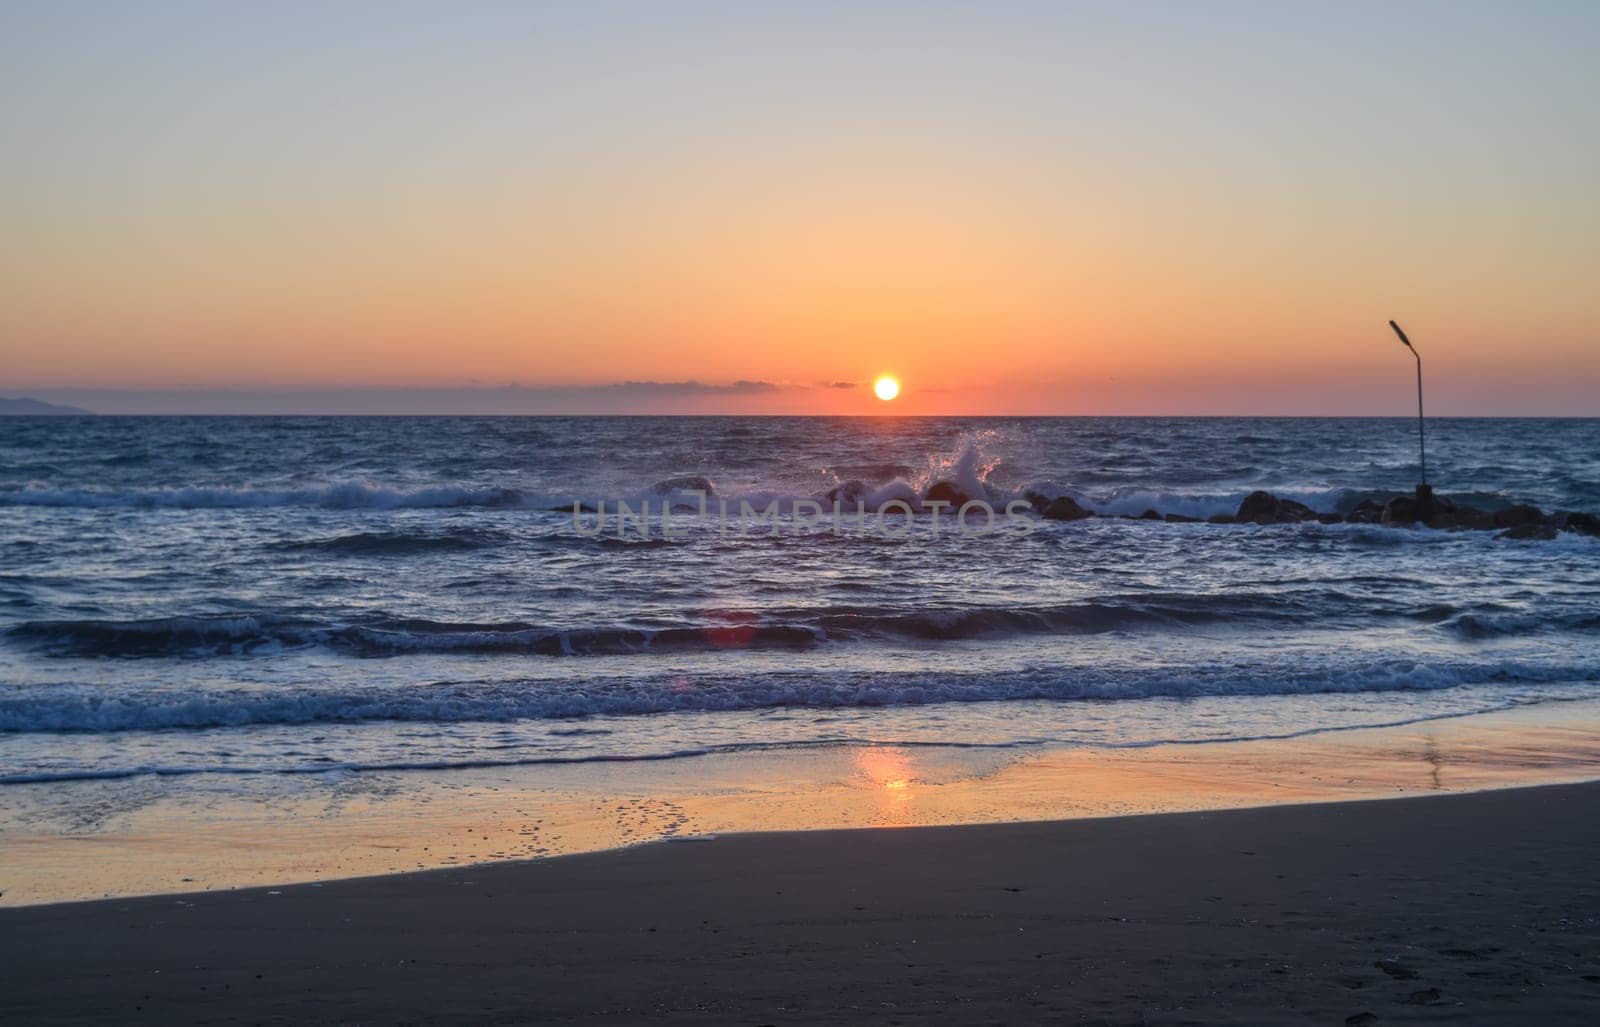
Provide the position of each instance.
(1014, 208)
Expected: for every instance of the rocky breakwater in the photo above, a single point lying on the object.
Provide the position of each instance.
(1520, 521)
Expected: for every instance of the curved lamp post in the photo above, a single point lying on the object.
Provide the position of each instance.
(1424, 491)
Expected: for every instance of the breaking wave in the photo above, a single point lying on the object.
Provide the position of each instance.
(75, 707)
(780, 628)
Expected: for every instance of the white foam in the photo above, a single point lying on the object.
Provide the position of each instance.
(65, 707)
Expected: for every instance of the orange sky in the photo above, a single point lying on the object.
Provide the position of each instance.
(1052, 213)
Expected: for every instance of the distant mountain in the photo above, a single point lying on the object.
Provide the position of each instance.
(22, 406)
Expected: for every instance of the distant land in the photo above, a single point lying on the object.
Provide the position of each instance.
(22, 406)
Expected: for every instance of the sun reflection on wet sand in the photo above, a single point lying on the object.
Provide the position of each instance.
(888, 772)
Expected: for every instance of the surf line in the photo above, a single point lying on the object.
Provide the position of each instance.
(893, 519)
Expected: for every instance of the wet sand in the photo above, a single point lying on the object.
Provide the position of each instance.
(1477, 908)
(63, 841)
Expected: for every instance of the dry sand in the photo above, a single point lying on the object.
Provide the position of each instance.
(1477, 908)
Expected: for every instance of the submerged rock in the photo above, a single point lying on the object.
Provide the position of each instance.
(1065, 508)
(1582, 523)
(1222, 519)
(1172, 518)
(1150, 515)
(1530, 532)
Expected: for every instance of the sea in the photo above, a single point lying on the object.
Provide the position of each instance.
(242, 596)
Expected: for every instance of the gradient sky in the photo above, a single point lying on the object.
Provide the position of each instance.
(1016, 208)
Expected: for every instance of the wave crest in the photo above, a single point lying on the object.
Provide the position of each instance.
(242, 635)
(72, 707)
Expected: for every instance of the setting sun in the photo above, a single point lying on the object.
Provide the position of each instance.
(886, 388)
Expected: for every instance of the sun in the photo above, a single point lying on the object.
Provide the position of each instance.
(886, 388)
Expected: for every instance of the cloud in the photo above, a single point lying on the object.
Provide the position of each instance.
(685, 388)
(610, 397)
(843, 385)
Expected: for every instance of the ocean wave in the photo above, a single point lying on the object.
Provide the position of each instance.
(194, 637)
(687, 496)
(200, 636)
(1487, 625)
(968, 469)
(319, 765)
(350, 495)
(91, 708)
(396, 543)
(1133, 501)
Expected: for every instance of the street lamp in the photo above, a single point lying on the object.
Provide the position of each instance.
(1424, 490)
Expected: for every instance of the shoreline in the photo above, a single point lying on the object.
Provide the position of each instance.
(144, 836)
(1478, 907)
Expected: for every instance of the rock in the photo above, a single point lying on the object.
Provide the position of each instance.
(945, 492)
(1400, 510)
(1368, 511)
(1265, 508)
(1222, 519)
(1448, 516)
(1471, 518)
(1330, 518)
(1258, 505)
(1038, 500)
(1518, 516)
(1292, 512)
(1530, 533)
(1180, 519)
(1150, 515)
(1582, 523)
(1396, 969)
(1065, 508)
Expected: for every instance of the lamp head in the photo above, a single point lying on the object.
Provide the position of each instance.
(1403, 339)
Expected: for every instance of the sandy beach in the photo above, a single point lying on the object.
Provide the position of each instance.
(800, 513)
(1468, 908)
